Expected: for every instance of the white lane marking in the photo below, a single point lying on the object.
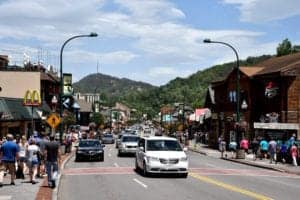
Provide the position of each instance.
(210, 165)
(116, 165)
(3, 197)
(109, 155)
(141, 183)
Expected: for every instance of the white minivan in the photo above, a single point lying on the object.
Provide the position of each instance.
(158, 154)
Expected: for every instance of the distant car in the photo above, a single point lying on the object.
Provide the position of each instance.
(128, 144)
(89, 149)
(108, 139)
(159, 154)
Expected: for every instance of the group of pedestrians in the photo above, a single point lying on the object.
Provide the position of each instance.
(34, 157)
(275, 151)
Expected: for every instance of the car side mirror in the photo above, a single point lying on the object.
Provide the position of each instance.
(103, 145)
(185, 149)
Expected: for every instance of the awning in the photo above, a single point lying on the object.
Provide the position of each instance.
(200, 114)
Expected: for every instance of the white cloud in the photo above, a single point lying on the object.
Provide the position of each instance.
(157, 72)
(259, 11)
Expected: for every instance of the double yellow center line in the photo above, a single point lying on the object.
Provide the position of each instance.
(230, 187)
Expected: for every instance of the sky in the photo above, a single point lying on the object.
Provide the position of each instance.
(153, 41)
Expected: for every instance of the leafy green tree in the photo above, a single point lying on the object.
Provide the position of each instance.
(98, 119)
(284, 48)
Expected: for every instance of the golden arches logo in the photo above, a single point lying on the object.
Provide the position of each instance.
(32, 98)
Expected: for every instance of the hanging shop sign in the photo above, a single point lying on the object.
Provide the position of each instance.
(68, 88)
(271, 90)
(32, 98)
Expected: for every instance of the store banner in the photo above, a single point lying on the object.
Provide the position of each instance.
(68, 89)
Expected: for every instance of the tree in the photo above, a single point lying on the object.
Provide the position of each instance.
(284, 48)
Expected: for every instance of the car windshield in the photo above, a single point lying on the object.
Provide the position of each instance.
(89, 143)
(130, 139)
(108, 136)
(163, 145)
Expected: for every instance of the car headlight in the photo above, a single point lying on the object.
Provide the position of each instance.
(152, 159)
(183, 158)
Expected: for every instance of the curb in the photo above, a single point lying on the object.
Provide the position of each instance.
(249, 163)
(197, 151)
(55, 191)
(254, 164)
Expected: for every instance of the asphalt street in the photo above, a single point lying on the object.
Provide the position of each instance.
(209, 178)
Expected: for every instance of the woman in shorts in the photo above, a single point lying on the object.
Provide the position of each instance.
(32, 160)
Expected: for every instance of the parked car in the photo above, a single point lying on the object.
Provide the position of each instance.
(108, 138)
(118, 141)
(128, 144)
(159, 154)
(89, 149)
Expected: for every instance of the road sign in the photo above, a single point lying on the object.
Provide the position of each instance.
(53, 120)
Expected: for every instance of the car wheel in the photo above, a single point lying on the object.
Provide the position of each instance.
(145, 172)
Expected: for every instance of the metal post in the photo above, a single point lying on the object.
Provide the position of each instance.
(61, 78)
(237, 82)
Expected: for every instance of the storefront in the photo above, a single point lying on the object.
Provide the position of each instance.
(277, 131)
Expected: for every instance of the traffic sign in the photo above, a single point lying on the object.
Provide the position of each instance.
(53, 120)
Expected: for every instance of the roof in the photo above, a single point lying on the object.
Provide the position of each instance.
(13, 109)
(48, 77)
(250, 71)
(282, 64)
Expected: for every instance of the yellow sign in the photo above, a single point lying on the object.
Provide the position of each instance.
(32, 98)
(53, 120)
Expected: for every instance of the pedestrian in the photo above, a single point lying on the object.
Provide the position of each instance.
(41, 144)
(294, 153)
(22, 168)
(52, 154)
(283, 151)
(272, 151)
(263, 148)
(244, 144)
(255, 147)
(232, 148)
(9, 153)
(32, 155)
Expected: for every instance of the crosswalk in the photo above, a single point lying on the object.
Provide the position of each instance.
(201, 171)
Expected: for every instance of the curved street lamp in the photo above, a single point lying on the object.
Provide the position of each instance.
(61, 76)
(237, 78)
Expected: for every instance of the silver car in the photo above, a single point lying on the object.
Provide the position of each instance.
(128, 144)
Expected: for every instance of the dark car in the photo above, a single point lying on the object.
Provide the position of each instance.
(108, 139)
(89, 149)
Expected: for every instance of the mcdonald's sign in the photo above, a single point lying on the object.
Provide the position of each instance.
(32, 98)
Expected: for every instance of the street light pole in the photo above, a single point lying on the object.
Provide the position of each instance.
(61, 77)
(237, 78)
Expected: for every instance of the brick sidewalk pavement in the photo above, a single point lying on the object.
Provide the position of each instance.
(24, 190)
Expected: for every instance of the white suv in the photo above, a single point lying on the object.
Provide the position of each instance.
(161, 155)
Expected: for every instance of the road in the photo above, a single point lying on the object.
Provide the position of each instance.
(209, 179)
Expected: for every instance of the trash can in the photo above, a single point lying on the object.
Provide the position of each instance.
(240, 154)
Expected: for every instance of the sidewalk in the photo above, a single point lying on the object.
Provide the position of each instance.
(264, 163)
(27, 191)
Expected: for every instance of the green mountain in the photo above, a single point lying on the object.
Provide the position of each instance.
(111, 88)
(148, 99)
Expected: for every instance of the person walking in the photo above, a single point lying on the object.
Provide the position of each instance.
(294, 153)
(32, 153)
(263, 148)
(255, 147)
(9, 153)
(52, 154)
(272, 151)
(283, 151)
(232, 148)
(22, 157)
(244, 144)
